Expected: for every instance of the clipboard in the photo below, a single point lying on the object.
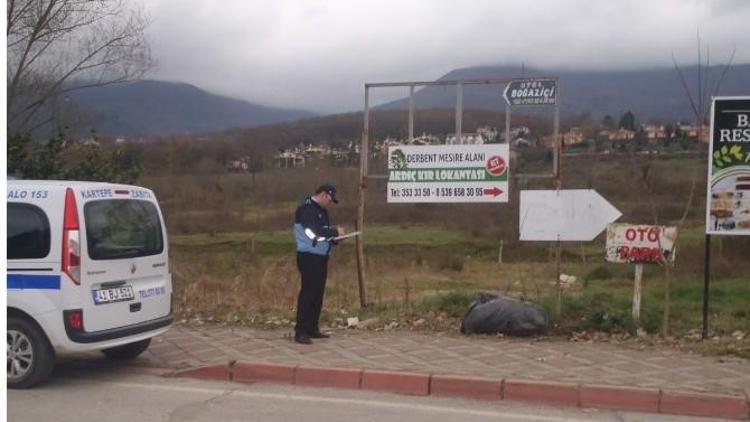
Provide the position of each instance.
(346, 236)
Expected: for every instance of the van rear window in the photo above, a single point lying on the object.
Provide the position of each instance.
(28, 232)
(122, 228)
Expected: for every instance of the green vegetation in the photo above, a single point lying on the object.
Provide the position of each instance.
(59, 158)
(233, 253)
(434, 276)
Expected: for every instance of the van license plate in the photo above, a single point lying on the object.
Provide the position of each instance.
(116, 294)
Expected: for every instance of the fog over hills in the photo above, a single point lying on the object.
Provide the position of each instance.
(155, 108)
(649, 93)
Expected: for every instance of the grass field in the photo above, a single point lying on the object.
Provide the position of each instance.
(432, 274)
(233, 255)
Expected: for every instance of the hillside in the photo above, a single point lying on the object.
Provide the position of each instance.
(155, 108)
(649, 93)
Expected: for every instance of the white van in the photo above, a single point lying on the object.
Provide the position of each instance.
(88, 269)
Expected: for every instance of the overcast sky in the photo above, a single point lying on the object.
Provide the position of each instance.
(317, 55)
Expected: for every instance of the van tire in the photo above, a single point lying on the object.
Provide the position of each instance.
(29, 340)
(127, 351)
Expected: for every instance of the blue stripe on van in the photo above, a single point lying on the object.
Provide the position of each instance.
(33, 281)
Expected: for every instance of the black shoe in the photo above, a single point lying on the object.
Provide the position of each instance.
(318, 334)
(302, 339)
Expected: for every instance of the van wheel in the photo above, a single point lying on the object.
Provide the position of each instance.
(30, 357)
(127, 351)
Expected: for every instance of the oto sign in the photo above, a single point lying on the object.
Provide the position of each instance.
(628, 243)
(729, 167)
(448, 173)
(527, 92)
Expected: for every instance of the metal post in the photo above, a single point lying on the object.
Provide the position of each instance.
(459, 110)
(556, 135)
(557, 282)
(706, 281)
(411, 113)
(558, 185)
(363, 157)
(507, 125)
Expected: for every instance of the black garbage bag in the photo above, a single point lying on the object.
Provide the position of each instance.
(492, 314)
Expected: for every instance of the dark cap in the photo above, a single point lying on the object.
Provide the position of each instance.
(329, 189)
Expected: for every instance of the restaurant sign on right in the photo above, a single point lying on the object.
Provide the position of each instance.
(728, 193)
(637, 244)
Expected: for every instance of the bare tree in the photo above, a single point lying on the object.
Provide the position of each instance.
(57, 46)
(700, 103)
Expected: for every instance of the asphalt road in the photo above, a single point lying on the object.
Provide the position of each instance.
(101, 394)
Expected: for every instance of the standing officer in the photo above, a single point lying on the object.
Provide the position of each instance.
(314, 238)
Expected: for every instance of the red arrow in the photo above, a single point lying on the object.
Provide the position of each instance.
(495, 191)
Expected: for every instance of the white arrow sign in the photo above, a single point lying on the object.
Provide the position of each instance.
(576, 214)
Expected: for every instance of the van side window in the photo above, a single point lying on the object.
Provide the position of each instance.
(28, 232)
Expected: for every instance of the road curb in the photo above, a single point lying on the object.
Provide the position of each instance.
(329, 377)
(650, 400)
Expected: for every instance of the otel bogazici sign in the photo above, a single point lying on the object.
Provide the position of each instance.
(526, 92)
(448, 173)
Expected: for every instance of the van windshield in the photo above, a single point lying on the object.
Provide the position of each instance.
(122, 228)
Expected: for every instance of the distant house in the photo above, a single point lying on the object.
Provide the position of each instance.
(489, 134)
(317, 150)
(515, 132)
(290, 159)
(239, 166)
(696, 132)
(654, 132)
(425, 139)
(574, 136)
(620, 134)
(381, 147)
(465, 139)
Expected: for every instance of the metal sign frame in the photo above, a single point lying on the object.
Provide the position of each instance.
(459, 84)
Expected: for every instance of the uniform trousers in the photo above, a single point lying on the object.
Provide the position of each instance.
(313, 270)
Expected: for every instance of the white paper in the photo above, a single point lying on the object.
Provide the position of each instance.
(348, 235)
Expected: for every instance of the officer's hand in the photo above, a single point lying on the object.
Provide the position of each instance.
(341, 230)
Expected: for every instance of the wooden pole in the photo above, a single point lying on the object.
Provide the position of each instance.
(637, 294)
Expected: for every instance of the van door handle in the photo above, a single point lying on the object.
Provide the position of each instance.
(135, 307)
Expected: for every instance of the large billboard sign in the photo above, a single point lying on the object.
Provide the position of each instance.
(629, 243)
(448, 173)
(728, 196)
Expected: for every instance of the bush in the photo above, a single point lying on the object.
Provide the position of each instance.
(452, 262)
(454, 303)
(598, 273)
